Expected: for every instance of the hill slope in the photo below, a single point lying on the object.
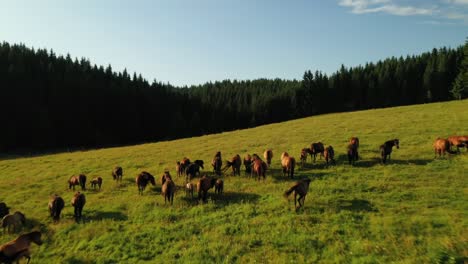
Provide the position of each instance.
(415, 209)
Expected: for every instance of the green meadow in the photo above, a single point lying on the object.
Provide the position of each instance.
(412, 210)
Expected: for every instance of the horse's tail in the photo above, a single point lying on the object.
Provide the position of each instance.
(288, 192)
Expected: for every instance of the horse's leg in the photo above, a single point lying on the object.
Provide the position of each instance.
(295, 198)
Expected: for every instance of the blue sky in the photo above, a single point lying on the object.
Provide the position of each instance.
(195, 41)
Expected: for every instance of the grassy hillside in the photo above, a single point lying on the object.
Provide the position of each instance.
(413, 210)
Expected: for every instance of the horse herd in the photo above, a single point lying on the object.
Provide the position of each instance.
(254, 166)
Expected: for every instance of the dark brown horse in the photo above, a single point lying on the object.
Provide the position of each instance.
(78, 202)
(459, 142)
(203, 185)
(304, 152)
(268, 155)
(16, 249)
(96, 182)
(316, 148)
(4, 209)
(235, 163)
(355, 142)
(217, 163)
(166, 176)
(386, 149)
(259, 167)
(117, 173)
(17, 220)
(56, 204)
(300, 189)
(182, 166)
(143, 179)
(441, 146)
(329, 154)
(219, 186)
(248, 164)
(288, 164)
(167, 190)
(352, 153)
(192, 170)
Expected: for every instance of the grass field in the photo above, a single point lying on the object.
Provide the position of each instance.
(413, 210)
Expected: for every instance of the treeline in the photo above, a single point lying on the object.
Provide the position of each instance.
(48, 101)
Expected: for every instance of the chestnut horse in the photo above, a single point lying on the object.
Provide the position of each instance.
(17, 219)
(459, 142)
(235, 163)
(168, 189)
(217, 163)
(316, 148)
(182, 166)
(78, 201)
(329, 154)
(299, 188)
(96, 182)
(304, 152)
(355, 142)
(441, 146)
(288, 163)
(352, 153)
(56, 204)
(203, 185)
(259, 167)
(268, 155)
(117, 173)
(14, 250)
(166, 176)
(74, 180)
(142, 180)
(386, 149)
(248, 164)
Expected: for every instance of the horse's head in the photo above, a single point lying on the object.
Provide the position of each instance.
(397, 143)
(151, 179)
(35, 237)
(199, 163)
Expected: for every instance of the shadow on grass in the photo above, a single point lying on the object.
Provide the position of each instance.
(222, 199)
(355, 205)
(367, 163)
(103, 215)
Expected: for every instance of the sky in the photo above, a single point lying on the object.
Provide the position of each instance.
(188, 42)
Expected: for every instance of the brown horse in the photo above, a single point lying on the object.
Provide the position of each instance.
(288, 163)
(259, 167)
(248, 164)
(352, 153)
(386, 149)
(235, 163)
(217, 163)
(299, 188)
(96, 182)
(4, 209)
(192, 170)
(316, 148)
(355, 142)
(117, 173)
(304, 152)
(14, 250)
(167, 190)
(78, 201)
(459, 142)
(268, 155)
(441, 146)
(17, 219)
(203, 185)
(166, 176)
(189, 189)
(182, 166)
(142, 180)
(56, 204)
(219, 186)
(329, 154)
(74, 180)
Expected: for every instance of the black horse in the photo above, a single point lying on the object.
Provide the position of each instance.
(386, 149)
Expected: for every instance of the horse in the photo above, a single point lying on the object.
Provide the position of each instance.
(386, 149)
(355, 142)
(14, 250)
(17, 219)
(268, 155)
(304, 152)
(352, 153)
(117, 173)
(288, 163)
(217, 163)
(459, 142)
(259, 167)
(219, 186)
(96, 182)
(203, 185)
(78, 201)
(189, 189)
(4, 209)
(235, 163)
(441, 146)
(168, 189)
(316, 148)
(166, 176)
(56, 204)
(200, 163)
(299, 188)
(329, 154)
(191, 171)
(248, 164)
(74, 180)
(82, 179)
(182, 166)
(142, 180)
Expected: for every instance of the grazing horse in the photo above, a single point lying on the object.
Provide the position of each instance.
(168, 189)
(17, 219)
(304, 152)
(189, 189)
(316, 148)
(217, 163)
(4, 209)
(117, 173)
(235, 163)
(386, 149)
(355, 142)
(74, 180)
(143, 179)
(441, 146)
(352, 153)
(96, 182)
(259, 167)
(14, 250)
(219, 186)
(268, 155)
(299, 188)
(203, 185)
(56, 204)
(288, 163)
(248, 164)
(329, 154)
(459, 142)
(78, 201)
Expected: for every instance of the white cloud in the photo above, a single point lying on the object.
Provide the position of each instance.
(458, 2)
(385, 6)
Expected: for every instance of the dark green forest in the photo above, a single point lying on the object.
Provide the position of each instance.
(53, 102)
